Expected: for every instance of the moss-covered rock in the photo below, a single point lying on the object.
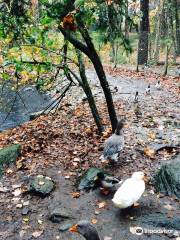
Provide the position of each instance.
(41, 185)
(167, 179)
(9, 155)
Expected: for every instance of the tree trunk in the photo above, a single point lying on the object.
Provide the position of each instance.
(158, 30)
(126, 20)
(166, 61)
(144, 31)
(177, 19)
(105, 86)
(90, 51)
(35, 9)
(88, 92)
(172, 33)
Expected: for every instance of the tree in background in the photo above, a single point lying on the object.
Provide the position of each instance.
(144, 32)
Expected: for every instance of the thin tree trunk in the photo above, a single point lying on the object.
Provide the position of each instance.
(126, 20)
(144, 32)
(88, 92)
(158, 31)
(166, 61)
(90, 51)
(177, 19)
(172, 32)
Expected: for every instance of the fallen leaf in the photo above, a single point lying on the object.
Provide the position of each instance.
(9, 171)
(41, 183)
(149, 152)
(102, 205)
(17, 192)
(37, 234)
(94, 221)
(76, 194)
(169, 207)
(107, 238)
(19, 205)
(26, 219)
(40, 221)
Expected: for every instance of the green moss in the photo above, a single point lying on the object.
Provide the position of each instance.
(9, 155)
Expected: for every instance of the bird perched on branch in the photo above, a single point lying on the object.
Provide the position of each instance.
(130, 191)
(114, 144)
(87, 230)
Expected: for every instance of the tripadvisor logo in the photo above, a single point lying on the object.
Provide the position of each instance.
(136, 230)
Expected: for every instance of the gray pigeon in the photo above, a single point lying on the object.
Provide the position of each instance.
(114, 144)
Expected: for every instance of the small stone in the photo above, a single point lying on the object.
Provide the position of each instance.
(65, 227)
(25, 211)
(59, 214)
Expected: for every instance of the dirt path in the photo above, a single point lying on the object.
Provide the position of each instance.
(158, 124)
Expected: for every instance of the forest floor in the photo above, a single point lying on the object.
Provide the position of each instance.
(64, 145)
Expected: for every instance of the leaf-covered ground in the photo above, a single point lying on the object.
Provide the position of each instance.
(63, 146)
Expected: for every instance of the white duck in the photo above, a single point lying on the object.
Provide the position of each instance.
(130, 191)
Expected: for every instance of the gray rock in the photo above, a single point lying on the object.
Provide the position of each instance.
(160, 220)
(59, 214)
(41, 185)
(65, 227)
(9, 155)
(167, 179)
(25, 211)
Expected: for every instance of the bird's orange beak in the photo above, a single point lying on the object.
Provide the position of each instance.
(73, 228)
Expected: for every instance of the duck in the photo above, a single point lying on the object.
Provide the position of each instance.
(130, 191)
(178, 71)
(107, 183)
(158, 85)
(114, 144)
(87, 230)
(148, 90)
(136, 97)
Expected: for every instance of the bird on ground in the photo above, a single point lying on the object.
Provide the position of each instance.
(114, 144)
(158, 85)
(106, 183)
(87, 230)
(136, 97)
(148, 90)
(130, 191)
(178, 71)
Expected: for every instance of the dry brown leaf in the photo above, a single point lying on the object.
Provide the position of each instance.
(76, 194)
(17, 192)
(149, 152)
(94, 221)
(102, 205)
(37, 234)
